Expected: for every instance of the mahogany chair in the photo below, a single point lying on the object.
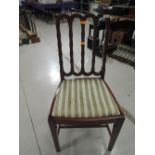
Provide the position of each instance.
(84, 102)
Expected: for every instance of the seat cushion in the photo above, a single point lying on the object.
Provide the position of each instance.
(84, 98)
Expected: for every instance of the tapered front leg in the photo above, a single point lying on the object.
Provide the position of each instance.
(115, 132)
(54, 133)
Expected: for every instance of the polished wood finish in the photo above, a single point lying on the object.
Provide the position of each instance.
(54, 132)
(116, 129)
(95, 35)
(56, 123)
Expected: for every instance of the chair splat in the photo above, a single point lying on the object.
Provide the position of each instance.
(83, 21)
(82, 45)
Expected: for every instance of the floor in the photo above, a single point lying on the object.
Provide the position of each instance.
(39, 78)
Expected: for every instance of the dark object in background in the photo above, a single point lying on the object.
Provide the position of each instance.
(90, 39)
(101, 26)
(121, 33)
(28, 32)
(117, 37)
(124, 54)
(119, 2)
(132, 3)
(82, 6)
(125, 26)
(118, 7)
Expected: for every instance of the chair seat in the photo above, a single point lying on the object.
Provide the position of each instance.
(84, 98)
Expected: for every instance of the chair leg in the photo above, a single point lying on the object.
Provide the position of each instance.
(115, 132)
(54, 133)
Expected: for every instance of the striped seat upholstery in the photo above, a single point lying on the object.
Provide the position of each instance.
(83, 98)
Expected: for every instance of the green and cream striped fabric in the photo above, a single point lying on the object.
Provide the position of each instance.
(83, 98)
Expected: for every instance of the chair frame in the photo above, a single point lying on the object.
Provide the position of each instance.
(56, 123)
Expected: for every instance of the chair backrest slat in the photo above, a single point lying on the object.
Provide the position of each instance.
(105, 47)
(83, 19)
(71, 45)
(60, 48)
(82, 45)
(94, 44)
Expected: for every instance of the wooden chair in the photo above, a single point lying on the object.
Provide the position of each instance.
(84, 102)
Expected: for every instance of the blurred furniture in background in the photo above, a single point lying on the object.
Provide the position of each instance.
(27, 28)
(124, 54)
(48, 8)
(122, 28)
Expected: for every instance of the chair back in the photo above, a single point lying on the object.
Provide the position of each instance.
(83, 19)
